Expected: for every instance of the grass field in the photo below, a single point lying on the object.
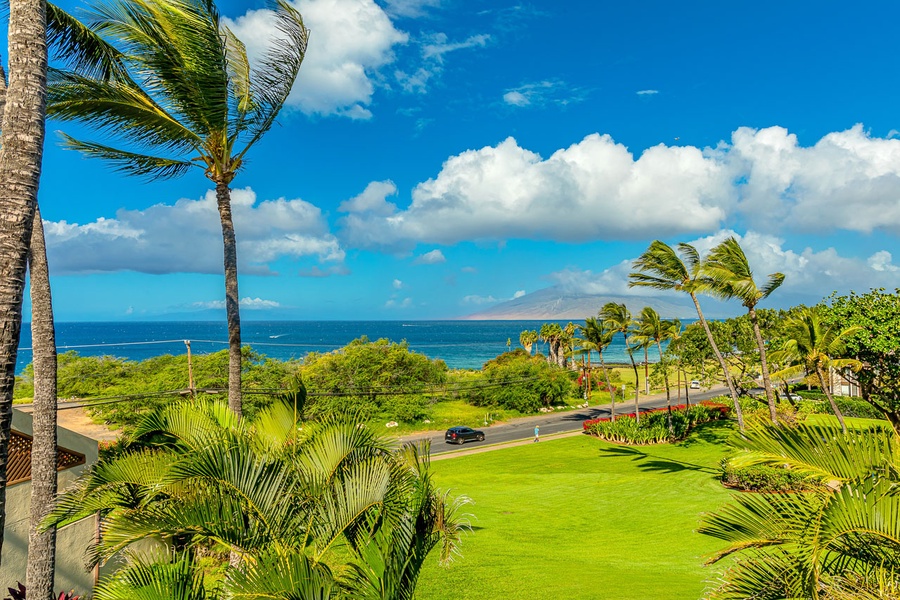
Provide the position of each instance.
(580, 518)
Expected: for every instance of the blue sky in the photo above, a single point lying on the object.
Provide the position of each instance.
(441, 156)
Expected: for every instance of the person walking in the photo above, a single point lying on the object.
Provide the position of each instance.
(537, 433)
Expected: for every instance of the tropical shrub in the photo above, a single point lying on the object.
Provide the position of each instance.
(525, 383)
(762, 478)
(380, 378)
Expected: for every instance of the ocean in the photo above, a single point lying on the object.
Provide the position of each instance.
(461, 344)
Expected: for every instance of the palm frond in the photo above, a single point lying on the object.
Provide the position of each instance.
(773, 282)
(659, 267)
(151, 167)
(274, 78)
(81, 48)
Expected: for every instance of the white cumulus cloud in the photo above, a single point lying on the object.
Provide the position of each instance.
(591, 190)
(431, 258)
(186, 237)
(349, 41)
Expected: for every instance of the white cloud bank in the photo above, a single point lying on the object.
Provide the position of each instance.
(246, 304)
(187, 237)
(597, 190)
(809, 275)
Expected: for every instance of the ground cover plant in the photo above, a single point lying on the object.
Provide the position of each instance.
(580, 518)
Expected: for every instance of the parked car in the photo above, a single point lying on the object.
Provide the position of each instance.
(795, 397)
(695, 385)
(460, 435)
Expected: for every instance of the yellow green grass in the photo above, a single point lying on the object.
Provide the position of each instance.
(580, 518)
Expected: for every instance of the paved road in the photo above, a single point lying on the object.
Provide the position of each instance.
(570, 420)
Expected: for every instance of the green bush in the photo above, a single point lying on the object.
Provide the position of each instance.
(517, 381)
(373, 379)
(762, 478)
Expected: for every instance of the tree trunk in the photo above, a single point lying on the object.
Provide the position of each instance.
(764, 366)
(42, 544)
(728, 381)
(20, 172)
(637, 388)
(828, 394)
(232, 301)
(647, 370)
(609, 387)
(668, 395)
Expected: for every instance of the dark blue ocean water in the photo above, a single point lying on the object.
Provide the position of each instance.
(461, 344)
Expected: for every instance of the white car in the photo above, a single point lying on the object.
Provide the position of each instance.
(695, 385)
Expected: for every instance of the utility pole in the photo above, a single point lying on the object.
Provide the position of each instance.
(190, 368)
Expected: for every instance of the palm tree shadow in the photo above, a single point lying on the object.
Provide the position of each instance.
(656, 464)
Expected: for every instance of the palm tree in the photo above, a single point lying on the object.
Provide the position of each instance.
(527, 338)
(279, 497)
(617, 317)
(20, 167)
(661, 268)
(652, 330)
(552, 334)
(729, 277)
(598, 338)
(648, 332)
(800, 545)
(188, 98)
(814, 346)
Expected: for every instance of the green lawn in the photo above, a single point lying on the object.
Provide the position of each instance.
(580, 518)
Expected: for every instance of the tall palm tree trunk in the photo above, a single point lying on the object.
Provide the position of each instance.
(637, 389)
(232, 301)
(647, 370)
(764, 366)
(830, 396)
(42, 544)
(20, 171)
(612, 391)
(728, 381)
(668, 394)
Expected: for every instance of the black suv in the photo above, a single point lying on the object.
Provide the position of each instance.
(459, 435)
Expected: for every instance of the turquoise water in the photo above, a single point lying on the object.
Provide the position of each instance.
(461, 344)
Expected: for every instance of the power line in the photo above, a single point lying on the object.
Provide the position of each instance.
(105, 400)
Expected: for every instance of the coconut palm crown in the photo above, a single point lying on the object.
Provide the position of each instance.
(185, 96)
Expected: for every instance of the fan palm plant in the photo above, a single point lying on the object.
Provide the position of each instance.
(813, 346)
(186, 97)
(528, 338)
(617, 318)
(728, 275)
(272, 494)
(661, 267)
(552, 333)
(797, 545)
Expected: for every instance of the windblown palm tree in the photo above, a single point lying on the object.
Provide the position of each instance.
(597, 337)
(528, 338)
(729, 277)
(662, 268)
(187, 97)
(552, 333)
(618, 318)
(813, 346)
(653, 330)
